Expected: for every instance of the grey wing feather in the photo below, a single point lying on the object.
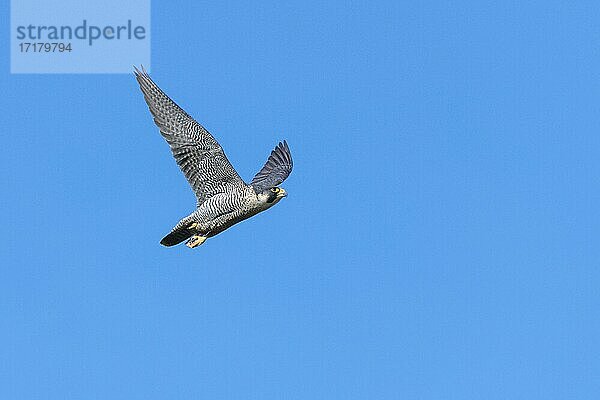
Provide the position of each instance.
(277, 168)
(196, 151)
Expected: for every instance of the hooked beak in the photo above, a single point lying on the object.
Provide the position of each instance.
(282, 193)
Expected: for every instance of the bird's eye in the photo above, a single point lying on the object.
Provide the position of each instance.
(275, 190)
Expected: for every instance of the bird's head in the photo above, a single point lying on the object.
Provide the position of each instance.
(270, 197)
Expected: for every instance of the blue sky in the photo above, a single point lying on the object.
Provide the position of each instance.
(440, 238)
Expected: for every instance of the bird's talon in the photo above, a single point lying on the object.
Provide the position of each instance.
(195, 241)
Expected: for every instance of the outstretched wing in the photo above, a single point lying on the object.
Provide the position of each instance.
(196, 151)
(276, 169)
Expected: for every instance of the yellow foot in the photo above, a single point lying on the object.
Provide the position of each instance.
(195, 241)
(193, 225)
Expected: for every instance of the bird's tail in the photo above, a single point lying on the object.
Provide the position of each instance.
(176, 236)
(183, 230)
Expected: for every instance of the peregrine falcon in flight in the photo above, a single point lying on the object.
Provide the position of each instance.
(223, 198)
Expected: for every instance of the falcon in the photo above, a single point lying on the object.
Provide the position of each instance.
(223, 198)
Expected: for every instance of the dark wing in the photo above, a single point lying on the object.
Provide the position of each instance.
(197, 153)
(276, 169)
